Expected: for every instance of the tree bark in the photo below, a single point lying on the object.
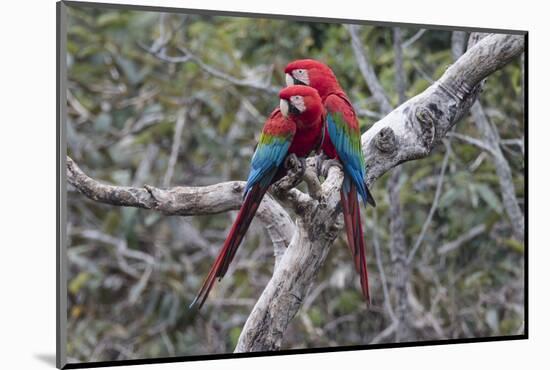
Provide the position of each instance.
(411, 130)
(186, 201)
(398, 248)
(492, 140)
(503, 170)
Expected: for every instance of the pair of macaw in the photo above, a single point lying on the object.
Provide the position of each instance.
(314, 113)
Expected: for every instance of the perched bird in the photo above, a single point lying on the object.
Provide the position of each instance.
(343, 144)
(293, 129)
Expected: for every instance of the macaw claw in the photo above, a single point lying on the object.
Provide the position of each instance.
(319, 160)
(325, 167)
(296, 164)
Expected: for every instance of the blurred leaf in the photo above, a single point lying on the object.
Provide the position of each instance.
(110, 19)
(515, 245)
(316, 316)
(234, 334)
(489, 197)
(78, 282)
(130, 70)
(348, 302)
(103, 122)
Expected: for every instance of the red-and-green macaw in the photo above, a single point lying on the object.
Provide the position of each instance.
(295, 128)
(343, 143)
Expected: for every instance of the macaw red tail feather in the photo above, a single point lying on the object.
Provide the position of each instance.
(354, 231)
(238, 230)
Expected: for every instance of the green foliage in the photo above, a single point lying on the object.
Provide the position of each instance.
(122, 110)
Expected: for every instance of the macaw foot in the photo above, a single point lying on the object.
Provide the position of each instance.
(296, 164)
(319, 159)
(325, 167)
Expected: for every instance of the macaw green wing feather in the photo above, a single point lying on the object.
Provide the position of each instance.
(347, 142)
(270, 153)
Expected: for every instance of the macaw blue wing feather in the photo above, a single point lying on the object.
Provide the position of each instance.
(348, 147)
(269, 155)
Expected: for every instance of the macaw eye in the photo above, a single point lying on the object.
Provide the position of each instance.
(298, 103)
(300, 76)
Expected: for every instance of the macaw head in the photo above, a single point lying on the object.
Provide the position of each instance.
(301, 102)
(311, 72)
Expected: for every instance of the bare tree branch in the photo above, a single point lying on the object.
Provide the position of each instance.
(367, 71)
(397, 242)
(362, 112)
(398, 249)
(400, 78)
(384, 333)
(514, 142)
(503, 170)
(180, 123)
(414, 38)
(464, 238)
(185, 201)
(287, 289)
(144, 168)
(433, 208)
(458, 42)
(472, 140)
(492, 140)
(187, 56)
(475, 38)
(285, 191)
(158, 50)
(412, 130)
(122, 251)
(312, 181)
(379, 264)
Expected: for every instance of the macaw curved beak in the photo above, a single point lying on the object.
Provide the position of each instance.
(283, 104)
(289, 79)
(289, 108)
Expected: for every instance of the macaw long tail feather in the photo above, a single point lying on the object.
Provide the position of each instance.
(238, 230)
(354, 231)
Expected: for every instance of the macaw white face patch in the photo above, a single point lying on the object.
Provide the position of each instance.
(297, 102)
(301, 75)
(283, 104)
(289, 80)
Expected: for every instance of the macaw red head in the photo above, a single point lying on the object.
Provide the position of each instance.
(311, 72)
(302, 102)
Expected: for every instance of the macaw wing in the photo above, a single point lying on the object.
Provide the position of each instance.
(270, 153)
(271, 150)
(344, 133)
